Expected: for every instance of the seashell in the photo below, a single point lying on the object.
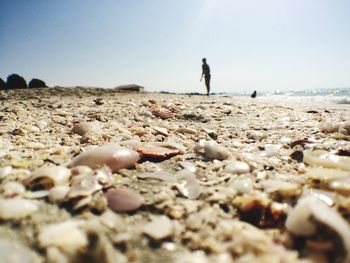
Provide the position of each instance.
(11, 189)
(237, 167)
(162, 131)
(111, 155)
(186, 130)
(328, 160)
(157, 152)
(159, 228)
(271, 150)
(104, 176)
(13, 252)
(58, 193)
(5, 171)
(212, 133)
(16, 208)
(256, 135)
(244, 186)
(258, 210)
(282, 187)
(146, 113)
(341, 185)
(160, 175)
(82, 186)
(326, 175)
(36, 194)
(66, 236)
(123, 200)
(81, 170)
(84, 201)
(302, 220)
(212, 150)
(187, 184)
(161, 112)
(324, 196)
(169, 144)
(61, 112)
(47, 177)
(36, 145)
(188, 165)
(83, 128)
(330, 127)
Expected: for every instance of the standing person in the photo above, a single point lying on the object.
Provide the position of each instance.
(206, 74)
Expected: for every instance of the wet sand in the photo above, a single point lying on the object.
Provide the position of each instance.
(218, 177)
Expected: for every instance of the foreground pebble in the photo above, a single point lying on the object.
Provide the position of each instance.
(123, 200)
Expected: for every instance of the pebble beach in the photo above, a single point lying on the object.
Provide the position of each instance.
(99, 175)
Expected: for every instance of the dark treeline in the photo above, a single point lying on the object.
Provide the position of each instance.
(15, 81)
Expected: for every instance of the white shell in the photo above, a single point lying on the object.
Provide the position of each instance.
(342, 185)
(5, 171)
(16, 208)
(66, 236)
(325, 174)
(274, 185)
(58, 174)
(212, 150)
(299, 220)
(242, 185)
(58, 193)
(13, 188)
(326, 159)
(237, 167)
(187, 184)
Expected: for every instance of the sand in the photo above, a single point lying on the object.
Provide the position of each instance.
(248, 165)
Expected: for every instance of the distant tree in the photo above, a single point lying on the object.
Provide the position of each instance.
(2, 83)
(15, 81)
(36, 83)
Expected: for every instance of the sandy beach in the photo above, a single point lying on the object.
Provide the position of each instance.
(96, 175)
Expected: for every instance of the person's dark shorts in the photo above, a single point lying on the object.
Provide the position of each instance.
(207, 79)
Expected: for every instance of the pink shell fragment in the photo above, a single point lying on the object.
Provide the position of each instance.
(123, 200)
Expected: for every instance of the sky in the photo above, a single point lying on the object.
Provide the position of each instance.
(264, 45)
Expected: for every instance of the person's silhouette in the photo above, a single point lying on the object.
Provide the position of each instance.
(206, 74)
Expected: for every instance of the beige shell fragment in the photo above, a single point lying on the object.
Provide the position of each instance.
(159, 228)
(16, 208)
(67, 236)
(326, 175)
(327, 160)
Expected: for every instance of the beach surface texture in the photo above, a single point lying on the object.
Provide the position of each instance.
(100, 175)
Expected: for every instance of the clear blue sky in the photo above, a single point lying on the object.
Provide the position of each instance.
(255, 44)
